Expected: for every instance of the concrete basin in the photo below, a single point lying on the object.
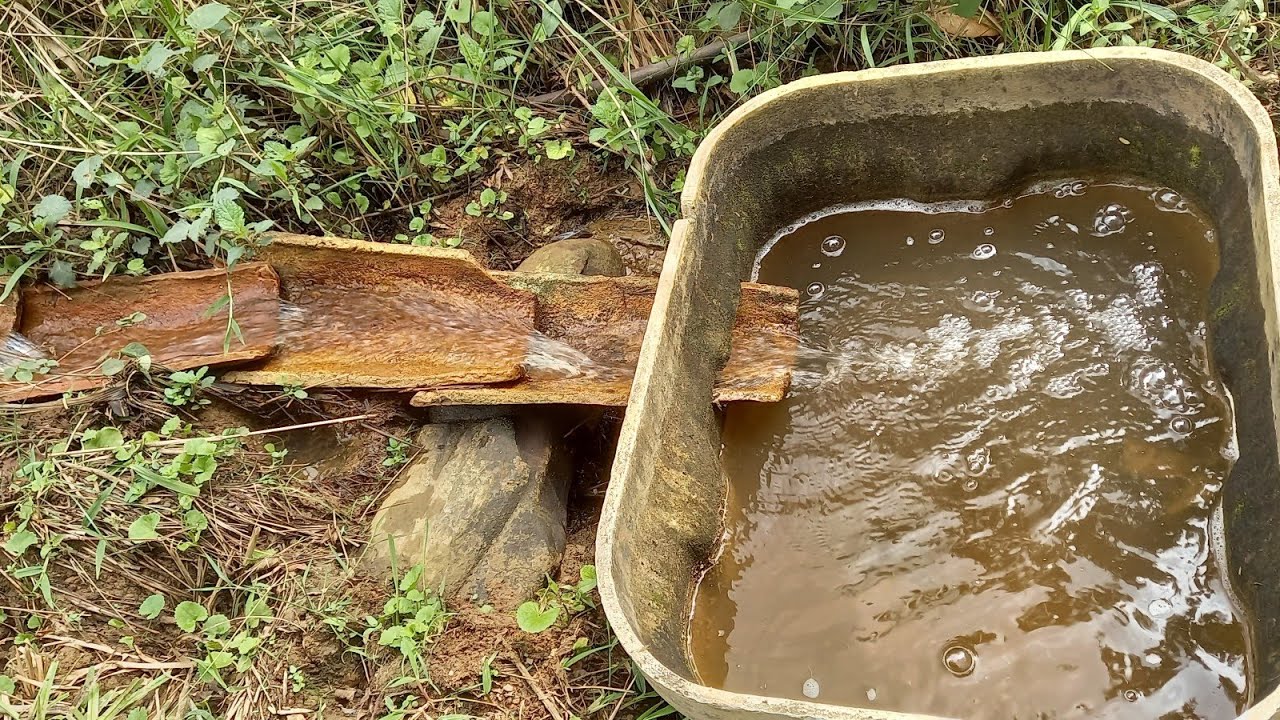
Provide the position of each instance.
(960, 129)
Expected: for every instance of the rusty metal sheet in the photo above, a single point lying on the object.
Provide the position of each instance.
(376, 315)
(182, 319)
(588, 343)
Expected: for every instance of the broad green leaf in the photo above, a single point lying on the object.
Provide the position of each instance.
(558, 149)
(107, 437)
(86, 171)
(18, 542)
(152, 606)
(178, 232)
(7, 686)
(208, 139)
(550, 18)
(217, 625)
(204, 62)
(743, 80)
(459, 11)
(207, 16)
(340, 56)
(195, 521)
(151, 62)
(229, 216)
(52, 208)
(410, 579)
(135, 349)
(188, 614)
(423, 20)
(587, 583)
(62, 274)
(111, 366)
(473, 53)
(533, 620)
(484, 23)
(966, 8)
(144, 528)
(728, 15)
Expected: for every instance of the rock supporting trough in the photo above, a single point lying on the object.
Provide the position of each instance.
(482, 507)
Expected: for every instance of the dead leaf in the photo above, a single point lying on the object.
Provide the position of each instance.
(984, 25)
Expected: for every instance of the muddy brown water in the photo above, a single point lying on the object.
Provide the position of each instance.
(991, 492)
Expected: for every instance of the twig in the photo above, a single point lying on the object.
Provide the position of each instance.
(547, 702)
(1252, 75)
(654, 71)
(219, 438)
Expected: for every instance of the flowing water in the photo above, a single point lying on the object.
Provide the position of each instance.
(991, 492)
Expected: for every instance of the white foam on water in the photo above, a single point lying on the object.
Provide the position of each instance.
(553, 357)
(1149, 279)
(1121, 325)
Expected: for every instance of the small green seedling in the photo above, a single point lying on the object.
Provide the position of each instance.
(490, 205)
(185, 387)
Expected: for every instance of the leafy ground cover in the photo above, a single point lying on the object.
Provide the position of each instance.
(170, 548)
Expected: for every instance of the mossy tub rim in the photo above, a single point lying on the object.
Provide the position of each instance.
(1155, 114)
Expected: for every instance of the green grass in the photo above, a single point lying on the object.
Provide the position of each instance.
(138, 135)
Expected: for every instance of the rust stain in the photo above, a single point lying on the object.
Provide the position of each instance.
(365, 314)
(83, 326)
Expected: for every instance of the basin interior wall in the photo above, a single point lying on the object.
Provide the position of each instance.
(969, 129)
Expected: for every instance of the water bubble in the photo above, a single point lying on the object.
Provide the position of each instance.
(1163, 386)
(832, 246)
(936, 236)
(985, 251)
(978, 460)
(1181, 425)
(911, 240)
(959, 660)
(810, 688)
(971, 484)
(871, 694)
(1111, 219)
(1153, 659)
(1168, 200)
(1069, 189)
(1132, 695)
(988, 231)
(1159, 608)
(983, 299)
(942, 477)
(816, 290)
